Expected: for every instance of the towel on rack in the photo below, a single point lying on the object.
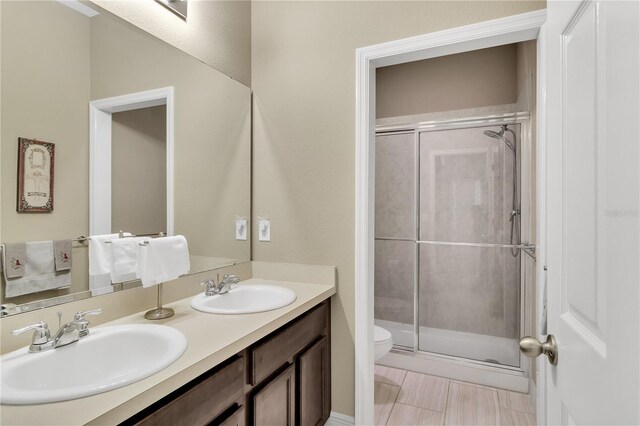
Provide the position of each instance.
(124, 259)
(162, 259)
(64, 257)
(14, 259)
(100, 253)
(39, 272)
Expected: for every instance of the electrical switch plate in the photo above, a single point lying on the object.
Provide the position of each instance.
(264, 230)
(241, 229)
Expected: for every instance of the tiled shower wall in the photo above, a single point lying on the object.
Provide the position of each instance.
(465, 196)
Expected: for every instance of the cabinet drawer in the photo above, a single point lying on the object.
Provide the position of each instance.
(267, 356)
(204, 401)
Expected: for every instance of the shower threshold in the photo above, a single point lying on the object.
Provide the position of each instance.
(496, 351)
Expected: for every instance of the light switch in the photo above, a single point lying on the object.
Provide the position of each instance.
(264, 230)
(241, 229)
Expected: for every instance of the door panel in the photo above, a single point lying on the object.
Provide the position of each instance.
(314, 380)
(592, 211)
(583, 291)
(395, 186)
(275, 403)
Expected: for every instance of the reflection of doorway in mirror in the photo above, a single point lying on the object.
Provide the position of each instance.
(138, 171)
(104, 174)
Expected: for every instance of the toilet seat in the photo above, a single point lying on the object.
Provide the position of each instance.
(383, 341)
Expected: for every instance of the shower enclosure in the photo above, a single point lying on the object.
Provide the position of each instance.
(448, 225)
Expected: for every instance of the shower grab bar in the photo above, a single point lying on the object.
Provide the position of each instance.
(528, 248)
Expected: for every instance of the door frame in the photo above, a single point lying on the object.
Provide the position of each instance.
(512, 29)
(100, 121)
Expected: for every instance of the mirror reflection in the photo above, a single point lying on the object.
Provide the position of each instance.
(147, 140)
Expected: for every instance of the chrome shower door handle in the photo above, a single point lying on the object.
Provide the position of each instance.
(532, 347)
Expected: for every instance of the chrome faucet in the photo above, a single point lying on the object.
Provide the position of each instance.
(221, 287)
(41, 340)
(68, 333)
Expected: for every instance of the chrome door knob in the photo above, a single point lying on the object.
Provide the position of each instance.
(532, 347)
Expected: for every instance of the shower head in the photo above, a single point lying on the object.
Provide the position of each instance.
(500, 135)
(493, 134)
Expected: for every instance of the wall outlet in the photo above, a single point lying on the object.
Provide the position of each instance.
(264, 230)
(241, 229)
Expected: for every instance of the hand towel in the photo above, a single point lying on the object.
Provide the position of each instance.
(64, 258)
(100, 253)
(14, 259)
(162, 259)
(124, 259)
(39, 272)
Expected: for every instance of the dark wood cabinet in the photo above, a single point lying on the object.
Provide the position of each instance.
(281, 346)
(199, 402)
(314, 378)
(275, 404)
(283, 379)
(235, 419)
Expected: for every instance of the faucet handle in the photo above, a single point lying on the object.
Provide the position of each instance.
(230, 279)
(79, 316)
(83, 323)
(39, 326)
(209, 282)
(41, 335)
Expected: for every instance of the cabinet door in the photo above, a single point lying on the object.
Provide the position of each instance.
(315, 389)
(275, 403)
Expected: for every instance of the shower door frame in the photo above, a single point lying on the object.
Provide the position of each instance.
(511, 29)
(524, 190)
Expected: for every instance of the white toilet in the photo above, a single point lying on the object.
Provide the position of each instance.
(383, 342)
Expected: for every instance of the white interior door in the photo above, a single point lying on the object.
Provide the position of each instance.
(592, 211)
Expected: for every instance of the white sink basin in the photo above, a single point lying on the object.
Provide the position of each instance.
(109, 358)
(245, 299)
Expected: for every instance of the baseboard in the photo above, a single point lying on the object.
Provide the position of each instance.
(337, 419)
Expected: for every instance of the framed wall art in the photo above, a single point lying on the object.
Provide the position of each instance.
(35, 176)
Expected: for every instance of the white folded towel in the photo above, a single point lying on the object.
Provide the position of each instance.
(162, 259)
(100, 253)
(39, 271)
(124, 258)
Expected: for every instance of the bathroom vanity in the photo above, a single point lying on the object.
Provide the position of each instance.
(283, 379)
(262, 368)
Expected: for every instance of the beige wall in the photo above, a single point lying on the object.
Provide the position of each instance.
(139, 170)
(466, 80)
(303, 76)
(216, 32)
(46, 99)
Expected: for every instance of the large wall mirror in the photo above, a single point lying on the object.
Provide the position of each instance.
(147, 139)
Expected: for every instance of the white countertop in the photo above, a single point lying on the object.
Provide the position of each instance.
(212, 339)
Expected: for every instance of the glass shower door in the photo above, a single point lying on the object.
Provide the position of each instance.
(395, 234)
(469, 286)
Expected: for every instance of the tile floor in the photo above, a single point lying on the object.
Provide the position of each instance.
(408, 398)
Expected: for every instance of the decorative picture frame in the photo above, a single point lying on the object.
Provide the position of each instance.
(36, 161)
